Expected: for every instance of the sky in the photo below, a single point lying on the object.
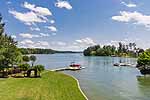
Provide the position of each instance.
(76, 24)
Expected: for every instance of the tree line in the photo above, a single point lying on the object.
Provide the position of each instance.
(126, 50)
(42, 51)
(36, 51)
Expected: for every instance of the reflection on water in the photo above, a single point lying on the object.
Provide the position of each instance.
(101, 80)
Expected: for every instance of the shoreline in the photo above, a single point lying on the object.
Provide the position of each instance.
(79, 87)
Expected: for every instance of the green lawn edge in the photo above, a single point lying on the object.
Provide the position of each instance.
(51, 86)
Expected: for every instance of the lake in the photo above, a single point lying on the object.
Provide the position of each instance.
(100, 80)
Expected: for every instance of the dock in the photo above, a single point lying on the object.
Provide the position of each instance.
(124, 64)
(59, 69)
(67, 68)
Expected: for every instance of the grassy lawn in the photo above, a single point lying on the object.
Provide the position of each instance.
(52, 86)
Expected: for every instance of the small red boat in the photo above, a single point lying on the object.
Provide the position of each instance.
(74, 66)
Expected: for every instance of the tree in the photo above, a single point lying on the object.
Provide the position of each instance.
(24, 67)
(111, 50)
(143, 62)
(93, 53)
(33, 59)
(120, 47)
(39, 68)
(144, 59)
(87, 52)
(8, 49)
(26, 59)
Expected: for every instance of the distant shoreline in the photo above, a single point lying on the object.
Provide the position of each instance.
(44, 51)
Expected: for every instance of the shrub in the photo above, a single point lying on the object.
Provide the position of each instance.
(26, 59)
(33, 59)
(39, 67)
(144, 59)
(24, 67)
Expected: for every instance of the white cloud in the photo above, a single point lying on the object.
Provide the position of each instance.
(33, 44)
(35, 15)
(116, 42)
(63, 4)
(14, 36)
(34, 29)
(52, 21)
(85, 41)
(44, 35)
(27, 42)
(9, 2)
(133, 17)
(40, 10)
(130, 5)
(43, 43)
(52, 28)
(81, 44)
(59, 43)
(28, 35)
(77, 45)
(28, 18)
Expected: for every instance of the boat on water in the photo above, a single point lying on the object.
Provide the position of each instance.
(124, 64)
(74, 66)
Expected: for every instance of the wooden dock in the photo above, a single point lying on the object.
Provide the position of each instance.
(59, 69)
(66, 68)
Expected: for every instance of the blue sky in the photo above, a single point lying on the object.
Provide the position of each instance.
(75, 24)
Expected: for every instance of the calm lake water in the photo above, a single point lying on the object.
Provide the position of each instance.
(101, 80)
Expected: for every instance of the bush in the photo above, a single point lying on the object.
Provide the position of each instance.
(26, 59)
(24, 67)
(144, 59)
(39, 67)
(33, 59)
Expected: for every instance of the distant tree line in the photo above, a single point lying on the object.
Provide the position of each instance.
(42, 51)
(129, 50)
(36, 51)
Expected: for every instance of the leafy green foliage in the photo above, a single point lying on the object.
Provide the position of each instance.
(26, 59)
(144, 59)
(42, 51)
(39, 67)
(36, 51)
(33, 59)
(24, 67)
(108, 50)
(9, 54)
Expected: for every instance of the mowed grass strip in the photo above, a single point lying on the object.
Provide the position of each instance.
(51, 86)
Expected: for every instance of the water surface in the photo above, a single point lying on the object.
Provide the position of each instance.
(101, 80)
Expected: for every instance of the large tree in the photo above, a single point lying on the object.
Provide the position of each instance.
(143, 62)
(144, 59)
(33, 59)
(9, 53)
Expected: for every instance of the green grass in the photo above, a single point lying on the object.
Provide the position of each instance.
(52, 86)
